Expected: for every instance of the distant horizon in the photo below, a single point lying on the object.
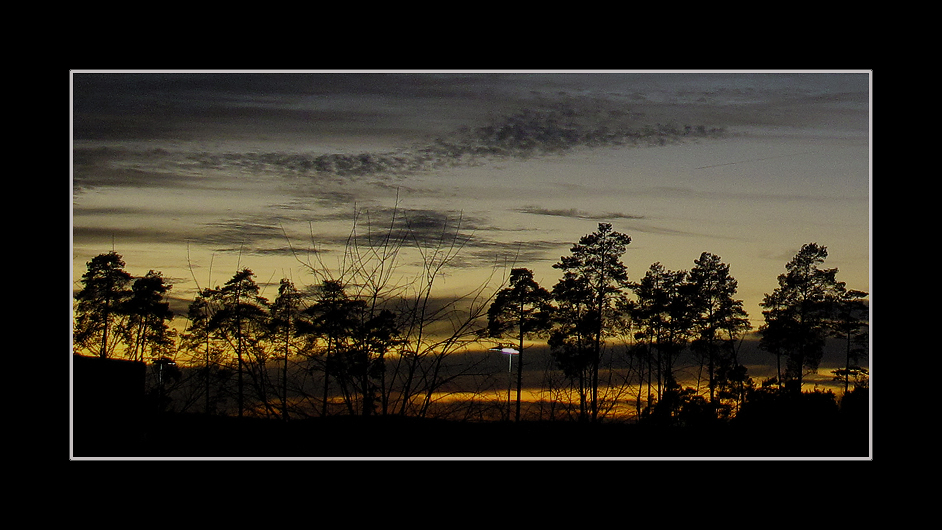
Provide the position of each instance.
(760, 366)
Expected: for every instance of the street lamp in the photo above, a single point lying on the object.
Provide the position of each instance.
(509, 352)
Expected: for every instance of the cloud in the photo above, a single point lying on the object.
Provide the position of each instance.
(500, 113)
(426, 228)
(680, 192)
(553, 128)
(97, 167)
(140, 168)
(473, 240)
(435, 122)
(556, 127)
(339, 228)
(194, 105)
(485, 252)
(236, 232)
(104, 237)
(574, 213)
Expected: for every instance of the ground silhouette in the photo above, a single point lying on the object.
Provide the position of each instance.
(112, 417)
(175, 435)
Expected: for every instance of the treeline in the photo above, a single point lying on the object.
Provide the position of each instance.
(362, 341)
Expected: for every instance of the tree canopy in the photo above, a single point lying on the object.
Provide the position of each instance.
(797, 314)
(348, 345)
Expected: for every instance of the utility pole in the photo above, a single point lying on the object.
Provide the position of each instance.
(520, 361)
(510, 352)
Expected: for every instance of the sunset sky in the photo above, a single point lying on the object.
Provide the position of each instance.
(198, 173)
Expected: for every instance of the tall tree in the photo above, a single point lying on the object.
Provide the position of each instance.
(797, 313)
(148, 316)
(200, 339)
(100, 303)
(719, 318)
(240, 320)
(595, 265)
(571, 338)
(850, 323)
(333, 319)
(523, 307)
(663, 316)
(366, 360)
(284, 319)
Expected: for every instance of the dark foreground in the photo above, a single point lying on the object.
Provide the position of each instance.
(198, 436)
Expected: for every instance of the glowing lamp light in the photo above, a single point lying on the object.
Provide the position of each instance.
(509, 352)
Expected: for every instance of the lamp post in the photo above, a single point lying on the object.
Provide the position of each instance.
(509, 352)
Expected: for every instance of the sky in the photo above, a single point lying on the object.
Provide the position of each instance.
(199, 173)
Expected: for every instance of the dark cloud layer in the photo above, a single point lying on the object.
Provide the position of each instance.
(530, 133)
(428, 121)
(162, 130)
(433, 121)
(312, 106)
(188, 105)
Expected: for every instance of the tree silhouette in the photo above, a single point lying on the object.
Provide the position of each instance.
(679, 406)
(148, 315)
(663, 316)
(719, 319)
(571, 338)
(594, 280)
(240, 320)
(425, 329)
(333, 318)
(523, 307)
(850, 324)
(284, 326)
(797, 314)
(366, 362)
(199, 339)
(357, 341)
(385, 347)
(101, 302)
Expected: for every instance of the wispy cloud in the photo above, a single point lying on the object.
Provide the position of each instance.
(483, 251)
(429, 230)
(283, 234)
(234, 234)
(104, 237)
(632, 226)
(575, 214)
